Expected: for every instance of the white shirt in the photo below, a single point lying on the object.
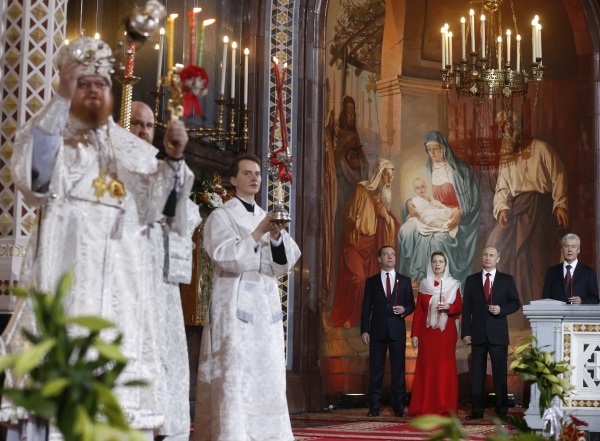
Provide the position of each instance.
(392, 274)
(492, 276)
(573, 265)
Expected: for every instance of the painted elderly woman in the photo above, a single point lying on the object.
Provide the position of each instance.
(453, 185)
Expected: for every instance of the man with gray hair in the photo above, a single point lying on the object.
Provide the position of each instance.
(367, 225)
(571, 281)
(530, 205)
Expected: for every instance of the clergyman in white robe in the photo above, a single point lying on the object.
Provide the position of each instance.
(241, 390)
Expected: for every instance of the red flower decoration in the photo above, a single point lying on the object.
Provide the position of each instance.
(195, 83)
(577, 421)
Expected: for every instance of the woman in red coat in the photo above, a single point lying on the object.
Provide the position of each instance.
(434, 333)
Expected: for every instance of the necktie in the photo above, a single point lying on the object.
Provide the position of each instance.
(568, 281)
(486, 286)
(388, 286)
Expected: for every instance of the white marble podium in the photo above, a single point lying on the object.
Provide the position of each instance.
(573, 333)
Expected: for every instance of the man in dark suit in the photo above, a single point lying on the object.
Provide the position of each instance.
(571, 281)
(489, 296)
(387, 301)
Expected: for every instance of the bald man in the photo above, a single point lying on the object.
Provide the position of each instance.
(142, 121)
(173, 343)
(489, 296)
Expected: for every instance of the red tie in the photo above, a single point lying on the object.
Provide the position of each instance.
(388, 286)
(486, 286)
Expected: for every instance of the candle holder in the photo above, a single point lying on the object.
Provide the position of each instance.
(126, 96)
(446, 79)
(158, 95)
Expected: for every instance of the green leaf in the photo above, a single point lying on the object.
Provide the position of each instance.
(17, 291)
(111, 407)
(83, 425)
(64, 285)
(7, 361)
(53, 388)
(91, 322)
(28, 360)
(110, 351)
(135, 383)
(430, 422)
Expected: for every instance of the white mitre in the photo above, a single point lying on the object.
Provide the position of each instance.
(95, 54)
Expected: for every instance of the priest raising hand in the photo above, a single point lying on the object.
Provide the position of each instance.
(176, 138)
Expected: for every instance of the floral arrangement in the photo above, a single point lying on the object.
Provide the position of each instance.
(69, 380)
(570, 429)
(195, 83)
(211, 195)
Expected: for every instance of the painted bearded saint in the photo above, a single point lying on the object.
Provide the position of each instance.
(367, 225)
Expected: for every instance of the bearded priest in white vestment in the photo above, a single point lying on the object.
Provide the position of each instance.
(241, 377)
(98, 189)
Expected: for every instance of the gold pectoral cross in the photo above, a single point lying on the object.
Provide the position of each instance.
(115, 188)
(100, 186)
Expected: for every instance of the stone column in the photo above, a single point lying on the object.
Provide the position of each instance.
(31, 33)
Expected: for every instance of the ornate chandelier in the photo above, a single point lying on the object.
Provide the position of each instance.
(489, 73)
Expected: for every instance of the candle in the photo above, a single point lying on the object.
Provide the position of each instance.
(443, 48)
(284, 132)
(192, 24)
(518, 53)
(161, 44)
(200, 53)
(441, 292)
(246, 52)
(499, 52)
(539, 41)
(472, 25)
(233, 48)
(482, 36)
(462, 38)
(224, 65)
(533, 39)
(396, 298)
(170, 40)
(450, 49)
(508, 34)
(130, 60)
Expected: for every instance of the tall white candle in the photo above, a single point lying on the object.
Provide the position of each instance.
(508, 34)
(443, 48)
(482, 36)
(533, 39)
(539, 41)
(499, 52)
(472, 24)
(450, 49)
(463, 41)
(233, 48)
(518, 53)
(246, 52)
(224, 67)
(161, 45)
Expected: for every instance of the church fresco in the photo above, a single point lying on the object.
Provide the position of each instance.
(518, 171)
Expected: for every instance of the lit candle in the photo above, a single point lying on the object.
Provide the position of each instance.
(499, 52)
(450, 49)
(200, 49)
(534, 38)
(170, 41)
(246, 52)
(508, 34)
(518, 53)
(224, 65)
(482, 36)
(443, 48)
(233, 48)
(97, 36)
(539, 41)
(161, 44)
(462, 38)
(192, 24)
(129, 60)
(472, 25)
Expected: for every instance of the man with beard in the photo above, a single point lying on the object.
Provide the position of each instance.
(530, 204)
(367, 225)
(98, 189)
(173, 342)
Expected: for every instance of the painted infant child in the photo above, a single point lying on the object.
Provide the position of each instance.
(433, 216)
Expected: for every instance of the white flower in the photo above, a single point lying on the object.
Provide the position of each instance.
(215, 200)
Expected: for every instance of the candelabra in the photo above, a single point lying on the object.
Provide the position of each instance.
(219, 133)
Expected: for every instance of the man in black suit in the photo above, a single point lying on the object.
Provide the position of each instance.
(387, 301)
(489, 296)
(571, 281)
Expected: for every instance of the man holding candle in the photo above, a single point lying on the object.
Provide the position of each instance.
(489, 297)
(571, 281)
(387, 301)
(98, 189)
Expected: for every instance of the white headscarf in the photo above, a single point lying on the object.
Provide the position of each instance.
(373, 183)
(448, 287)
